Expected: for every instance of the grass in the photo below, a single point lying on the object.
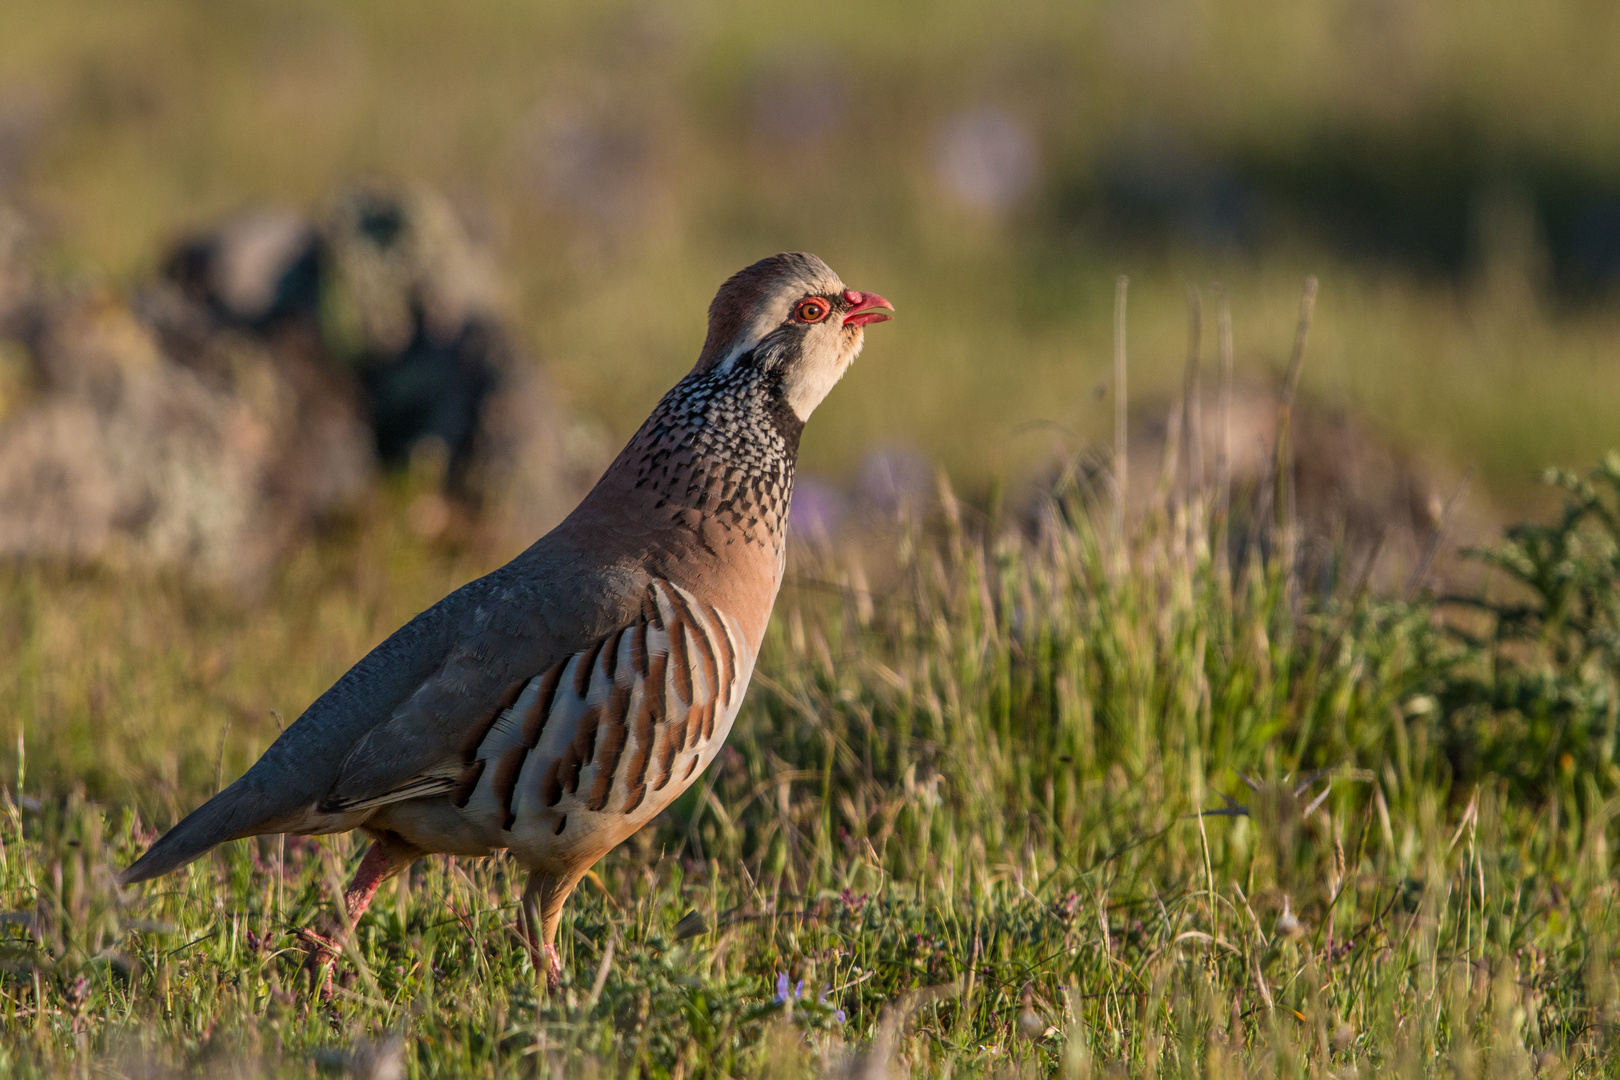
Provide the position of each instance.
(961, 807)
(1006, 797)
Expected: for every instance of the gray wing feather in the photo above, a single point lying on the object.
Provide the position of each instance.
(283, 786)
(508, 638)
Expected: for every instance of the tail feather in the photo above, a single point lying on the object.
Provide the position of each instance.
(238, 811)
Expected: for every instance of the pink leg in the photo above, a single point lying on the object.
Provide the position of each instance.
(542, 909)
(553, 969)
(382, 862)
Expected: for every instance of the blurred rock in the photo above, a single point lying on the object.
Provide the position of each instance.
(422, 324)
(16, 274)
(254, 269)
(404, 305)
(400, 266)
(128, 454)
(537, 458)
(213, 420)
(411, 307)
(1363, 506)
(389, 286)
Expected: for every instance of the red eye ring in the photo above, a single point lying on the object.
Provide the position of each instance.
(811, 310)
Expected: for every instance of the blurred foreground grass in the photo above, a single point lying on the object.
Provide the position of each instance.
(956, 830)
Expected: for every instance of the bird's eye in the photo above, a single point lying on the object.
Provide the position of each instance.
(810, 311)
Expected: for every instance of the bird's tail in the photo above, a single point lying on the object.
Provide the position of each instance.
(238, 811)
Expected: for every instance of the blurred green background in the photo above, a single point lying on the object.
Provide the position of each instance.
(1450, 170)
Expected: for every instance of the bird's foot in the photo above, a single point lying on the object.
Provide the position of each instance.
(553, 969)
(543, 957)
(321, 953)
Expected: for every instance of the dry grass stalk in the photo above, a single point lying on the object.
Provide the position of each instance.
(1283, 462)
(1121, 457)
(1193, 419)
(1223, 466)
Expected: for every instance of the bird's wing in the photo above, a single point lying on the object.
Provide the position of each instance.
(619, 729)
(674, 663)
(281, 791)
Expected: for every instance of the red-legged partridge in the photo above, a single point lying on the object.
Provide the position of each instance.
(556, 705)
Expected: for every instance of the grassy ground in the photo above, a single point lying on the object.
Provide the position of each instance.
(961, 807)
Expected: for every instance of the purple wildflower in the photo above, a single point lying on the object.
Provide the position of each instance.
(783, 994)
(788, 992)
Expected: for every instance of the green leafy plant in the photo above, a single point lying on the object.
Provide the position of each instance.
(1540, 699)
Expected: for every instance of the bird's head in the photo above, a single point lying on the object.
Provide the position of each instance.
(794, 322)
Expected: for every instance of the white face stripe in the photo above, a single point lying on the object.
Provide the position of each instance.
(826, 352)
(774, 312)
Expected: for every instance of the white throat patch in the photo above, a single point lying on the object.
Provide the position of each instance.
(815, 381)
